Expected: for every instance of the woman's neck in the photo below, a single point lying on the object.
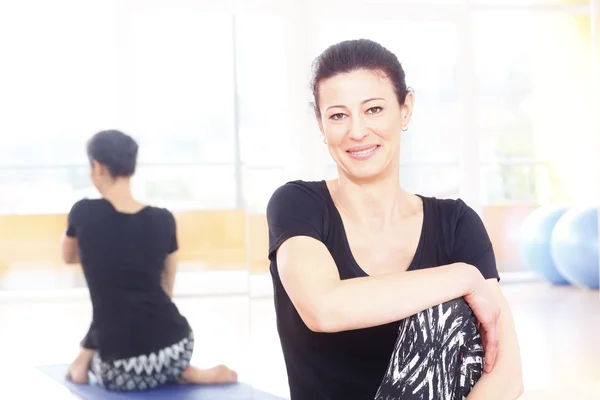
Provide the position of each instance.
(376, 204)
(119, 194)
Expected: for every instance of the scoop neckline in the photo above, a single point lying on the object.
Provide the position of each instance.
(416, 259)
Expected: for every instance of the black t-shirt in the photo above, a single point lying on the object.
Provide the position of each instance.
(123, 258)
(351, 364)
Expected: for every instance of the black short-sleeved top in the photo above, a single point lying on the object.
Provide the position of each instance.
(123, 258)
(351, 364)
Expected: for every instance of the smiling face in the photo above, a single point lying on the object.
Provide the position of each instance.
(361, 120)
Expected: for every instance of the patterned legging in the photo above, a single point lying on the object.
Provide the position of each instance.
(145, 371)
(438, 355)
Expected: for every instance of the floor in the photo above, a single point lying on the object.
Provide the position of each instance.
(558, 327)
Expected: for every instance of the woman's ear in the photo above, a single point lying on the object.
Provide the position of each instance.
(100, 169)
(94, 167)
(409, 101)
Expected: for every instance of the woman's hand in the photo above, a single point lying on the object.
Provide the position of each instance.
(487, 311)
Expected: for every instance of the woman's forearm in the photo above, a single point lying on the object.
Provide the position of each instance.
(377, 300)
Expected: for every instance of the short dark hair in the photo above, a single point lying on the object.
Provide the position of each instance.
(115, 150)
(354, 55)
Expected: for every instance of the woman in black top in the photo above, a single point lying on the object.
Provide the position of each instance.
(137, 339)
(381, 293)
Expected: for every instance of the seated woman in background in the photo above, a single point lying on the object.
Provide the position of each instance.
(138, 339)
(381, 293)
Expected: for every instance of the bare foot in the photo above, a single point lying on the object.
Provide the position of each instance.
(78, 370)
(78, 373)
(216, 375)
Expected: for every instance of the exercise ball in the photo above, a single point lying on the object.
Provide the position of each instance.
(534, 242)
(574, 247)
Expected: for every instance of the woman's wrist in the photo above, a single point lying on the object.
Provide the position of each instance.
(470, 277)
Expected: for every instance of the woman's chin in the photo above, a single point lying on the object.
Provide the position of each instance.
(365, 173)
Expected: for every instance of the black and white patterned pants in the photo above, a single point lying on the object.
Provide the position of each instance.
(145, 371)
(438, 355)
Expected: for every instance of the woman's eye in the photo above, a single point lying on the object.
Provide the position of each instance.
(336, 117)
(374, 110)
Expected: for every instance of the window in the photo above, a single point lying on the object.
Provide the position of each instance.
(533, 97)
(41, 190)
(259, 185)
(58, 80)
(171, 88)
(177, 84)
(58, 87)
(506, 181)
(187, 187)
(263, 96)
(177, 91)
(263, 106)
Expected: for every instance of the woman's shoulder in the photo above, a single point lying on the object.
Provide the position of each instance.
(87, 204)
(308, 193)
(448, 207)
(297, 208)
(159, 212)
(299, 202)
(451, 215)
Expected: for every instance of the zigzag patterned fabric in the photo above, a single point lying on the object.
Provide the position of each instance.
(438, 355)
(145, 371)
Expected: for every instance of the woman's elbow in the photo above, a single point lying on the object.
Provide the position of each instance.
(70, 258)
(318, 319)
(518, 380)
(520, 391)
(519, 388)
(515, 387)
(313, 324)
(319, 325)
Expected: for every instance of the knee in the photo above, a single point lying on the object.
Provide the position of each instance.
(458, 308)
(451, 318)
(458, 315)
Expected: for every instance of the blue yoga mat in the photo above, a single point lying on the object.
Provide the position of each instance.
(236, 391)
